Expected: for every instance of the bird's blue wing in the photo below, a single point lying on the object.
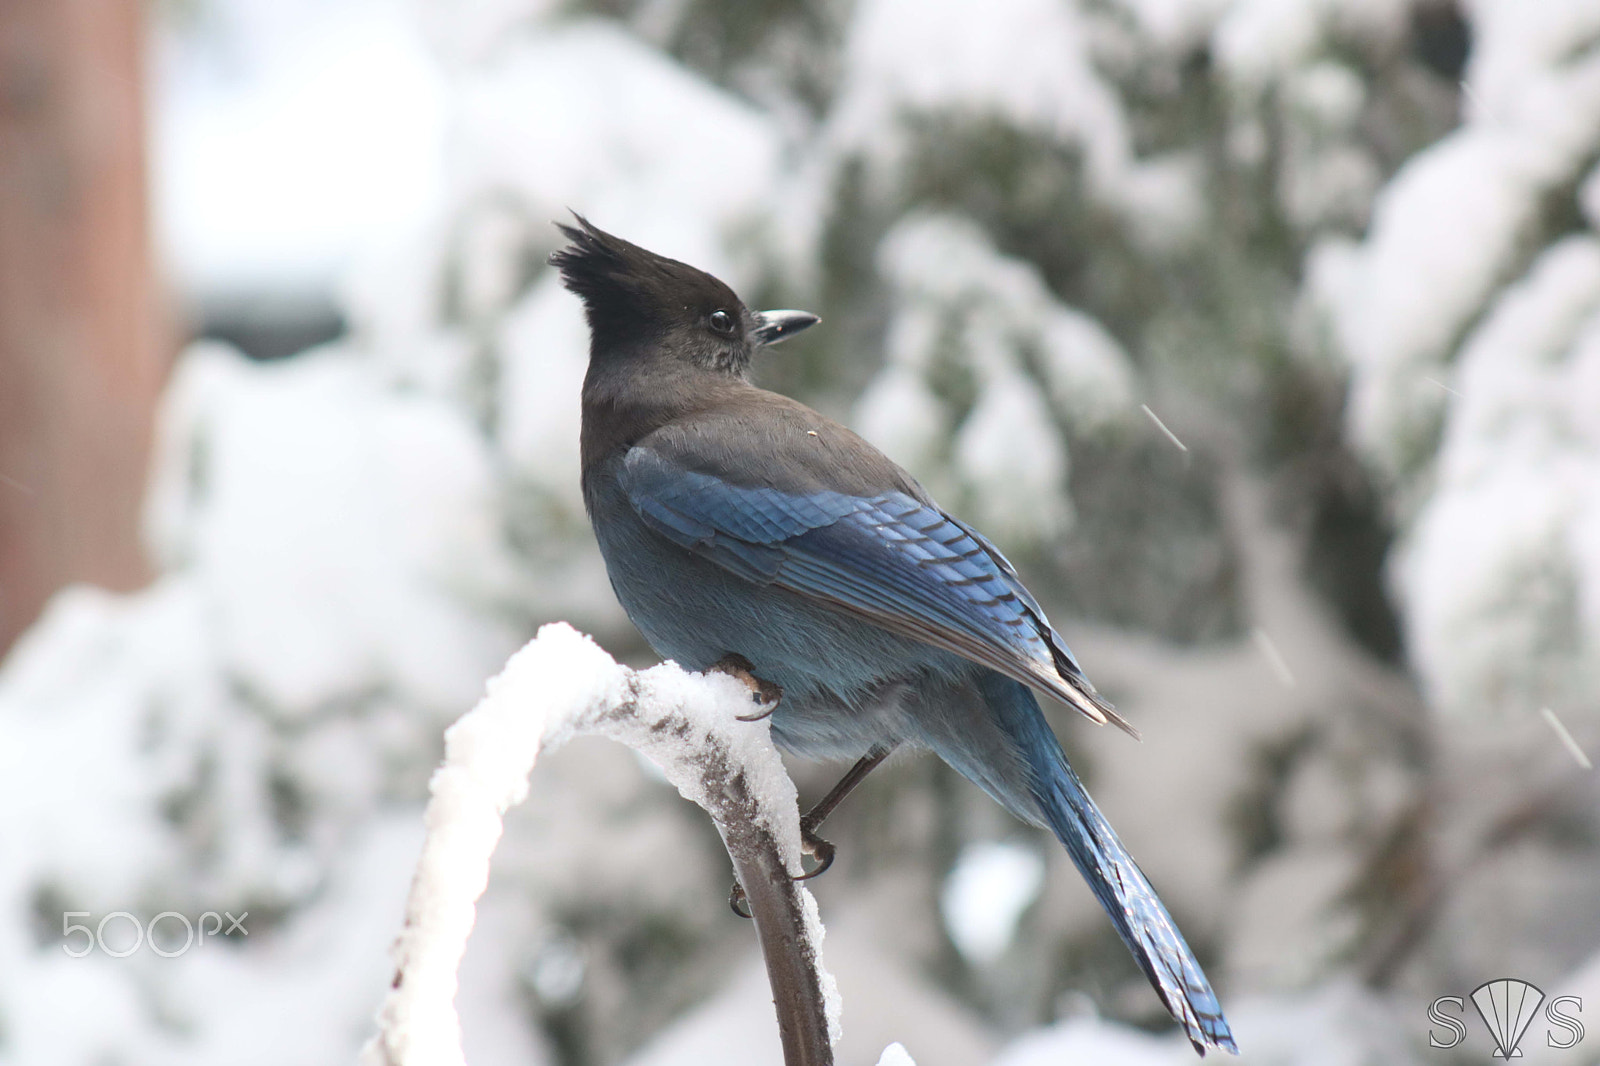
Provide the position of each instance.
(895, 560)
(1066, 662)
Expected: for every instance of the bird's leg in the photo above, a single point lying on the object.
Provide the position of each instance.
(814, 845)
(764, 693)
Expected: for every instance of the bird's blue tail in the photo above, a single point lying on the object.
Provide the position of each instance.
(1135, 909)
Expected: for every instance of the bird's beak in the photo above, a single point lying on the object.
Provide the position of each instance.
(775, 326)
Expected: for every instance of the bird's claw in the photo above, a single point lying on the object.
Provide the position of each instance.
(758, 716)
(821, 850)
(765, 694)
(736, 901)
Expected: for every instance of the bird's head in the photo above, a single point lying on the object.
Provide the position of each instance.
(638, 301)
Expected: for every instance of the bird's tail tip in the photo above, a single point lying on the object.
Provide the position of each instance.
(1190, 1001)
(1136, 912)
(1207, 1033)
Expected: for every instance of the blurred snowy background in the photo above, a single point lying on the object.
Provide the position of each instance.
(1348, 251)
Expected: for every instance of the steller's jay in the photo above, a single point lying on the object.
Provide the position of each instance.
(744, 530)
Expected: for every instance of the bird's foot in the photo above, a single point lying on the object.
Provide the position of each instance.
(811, 844)
(764, 694)
(736, 901)
(821, 850)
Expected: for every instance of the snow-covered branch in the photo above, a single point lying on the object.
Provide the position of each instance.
(559, 686)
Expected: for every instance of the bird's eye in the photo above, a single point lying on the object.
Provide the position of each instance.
(721, 322)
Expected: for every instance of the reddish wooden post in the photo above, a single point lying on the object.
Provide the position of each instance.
(83, 343)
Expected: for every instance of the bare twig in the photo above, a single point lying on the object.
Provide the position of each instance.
(784, 912)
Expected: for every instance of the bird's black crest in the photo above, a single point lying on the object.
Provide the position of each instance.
(619, 281)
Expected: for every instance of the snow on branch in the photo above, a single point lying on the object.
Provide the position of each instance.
(562, 685)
